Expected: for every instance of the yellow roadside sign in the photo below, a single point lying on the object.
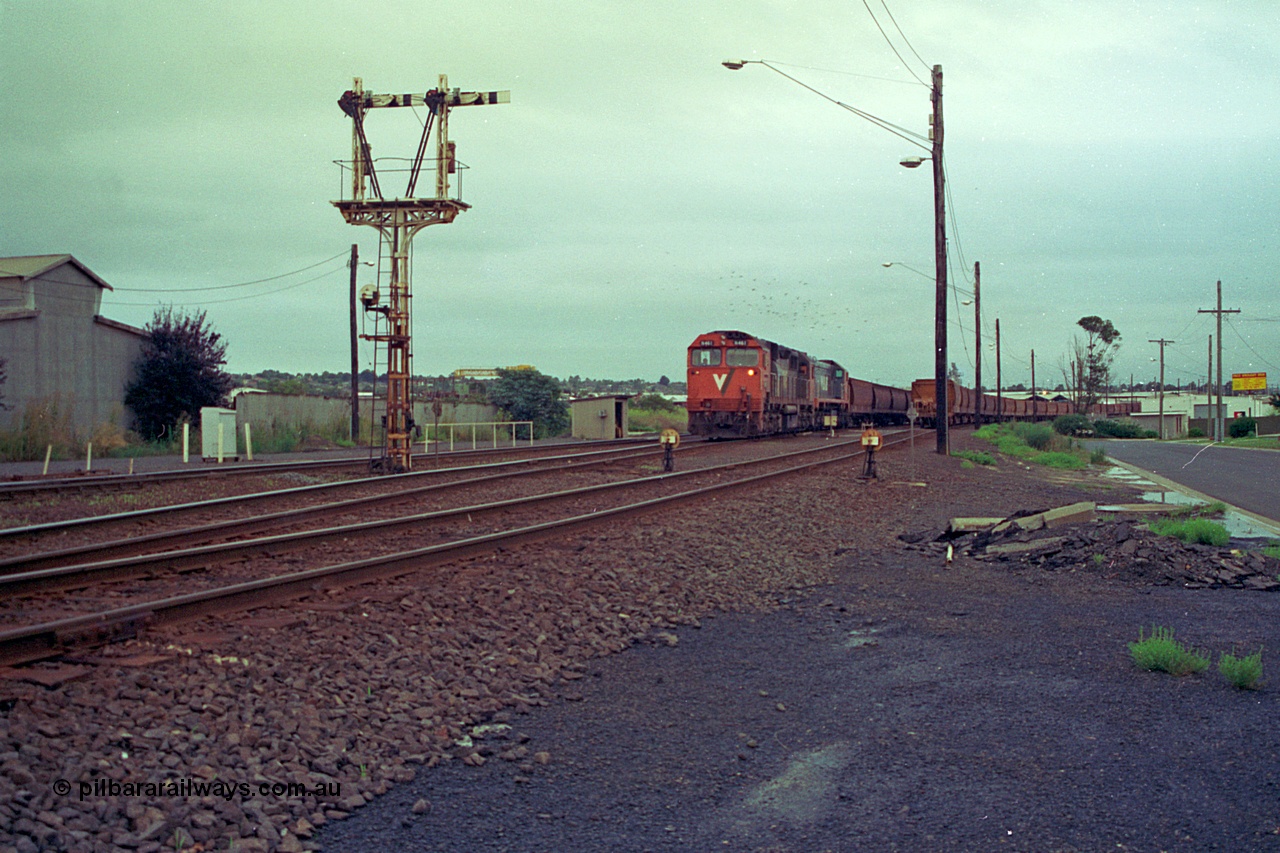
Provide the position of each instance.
(1248, 382)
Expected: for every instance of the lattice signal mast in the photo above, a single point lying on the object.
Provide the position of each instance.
(397, 221)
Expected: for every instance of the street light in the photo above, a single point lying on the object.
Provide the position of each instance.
(939, 224)
(888, 264)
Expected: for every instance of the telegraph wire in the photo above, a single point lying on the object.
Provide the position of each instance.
(111, 303)
(1249, 346)
(910, 136)
(226, 286)
(890, 43)
(846, 73)
(904, 35)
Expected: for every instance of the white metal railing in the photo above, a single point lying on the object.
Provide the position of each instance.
(428, 429)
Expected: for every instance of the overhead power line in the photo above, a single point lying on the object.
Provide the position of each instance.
(227, 286)
(889, 42)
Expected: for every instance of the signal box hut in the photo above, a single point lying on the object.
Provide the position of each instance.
(599, 417)
(59, 350)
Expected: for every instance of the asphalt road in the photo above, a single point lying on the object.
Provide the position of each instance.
(1244, 478)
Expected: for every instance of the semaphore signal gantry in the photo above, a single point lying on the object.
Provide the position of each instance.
(398, 219)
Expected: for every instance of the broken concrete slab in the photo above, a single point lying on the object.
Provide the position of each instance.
(1048, 543)
(971, 525)
(1140, 509)
(1051, 518)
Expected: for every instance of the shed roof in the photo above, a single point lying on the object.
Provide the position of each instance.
(30, 266)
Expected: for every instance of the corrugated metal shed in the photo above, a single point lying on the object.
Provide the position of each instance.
(61, 355)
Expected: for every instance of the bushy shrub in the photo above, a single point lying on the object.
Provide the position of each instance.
(1162, 653)
(1118, 429)
(1242, 427)
(1072, 425)
(1195, 432)
(1242, 672)
(1039, 436)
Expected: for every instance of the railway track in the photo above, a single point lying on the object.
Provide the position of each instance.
(53, 637)
(370, 491)
(35, 486)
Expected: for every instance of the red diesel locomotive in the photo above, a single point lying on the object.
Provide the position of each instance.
(741, 386)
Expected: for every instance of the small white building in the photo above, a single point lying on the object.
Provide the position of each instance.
(599, 417)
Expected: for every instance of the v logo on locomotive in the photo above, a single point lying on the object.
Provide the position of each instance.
(722, 379)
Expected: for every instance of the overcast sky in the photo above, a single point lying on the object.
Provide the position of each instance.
(1115, 158)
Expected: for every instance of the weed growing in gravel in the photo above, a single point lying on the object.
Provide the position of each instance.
(1098, 457)
(1061, 459)
(1272, 549)
(1035, 443)
(977, 458)
(1162, 653)
(1099, 559)
(1194, 530)
(1216, 508)
(1242, 672)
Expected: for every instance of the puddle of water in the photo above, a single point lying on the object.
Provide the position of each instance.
(861, 637)
(802, 793)
(1239, 526)
(1126, 476)
(1171, 498)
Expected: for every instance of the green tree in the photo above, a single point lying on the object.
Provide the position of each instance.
(527, 395)
(654, 403)
(1101, 342)
(179, 372)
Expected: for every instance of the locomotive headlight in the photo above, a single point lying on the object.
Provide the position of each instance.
(751, 372)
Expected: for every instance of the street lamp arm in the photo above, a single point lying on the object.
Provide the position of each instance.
(910, 136)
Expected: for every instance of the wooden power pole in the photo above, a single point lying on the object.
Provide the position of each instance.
(1219, 425)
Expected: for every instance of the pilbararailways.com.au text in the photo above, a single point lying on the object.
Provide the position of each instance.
(197, 788)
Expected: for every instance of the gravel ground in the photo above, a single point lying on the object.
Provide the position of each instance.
(796, 678)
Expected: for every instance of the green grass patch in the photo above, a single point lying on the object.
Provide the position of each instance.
(657, 419)
(1272, 549)
(1062, 459)
(1215, 509)
(1160, 652)
(1036, 443)
(975, 457)
(1192, 530)
(1242, 672)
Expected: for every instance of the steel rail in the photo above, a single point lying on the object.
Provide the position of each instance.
(37, 484)
(50, 639)
(77, 576)
(135, 545)
(409, 476)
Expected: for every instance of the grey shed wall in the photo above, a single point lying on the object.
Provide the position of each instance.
(57, 345)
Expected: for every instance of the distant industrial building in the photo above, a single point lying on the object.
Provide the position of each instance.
(57, 346)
